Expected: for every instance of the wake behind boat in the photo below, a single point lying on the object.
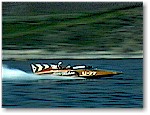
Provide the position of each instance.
(71, 71)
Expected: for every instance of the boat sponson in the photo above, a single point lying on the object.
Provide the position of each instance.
(83, 73)
(96, 73)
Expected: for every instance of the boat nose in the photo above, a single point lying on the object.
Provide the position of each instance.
(117, 73)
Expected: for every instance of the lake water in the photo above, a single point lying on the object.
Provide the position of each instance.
(22, 89)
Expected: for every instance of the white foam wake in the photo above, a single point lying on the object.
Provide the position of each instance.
(16, 74)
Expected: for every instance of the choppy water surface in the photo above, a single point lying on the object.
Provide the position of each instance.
(22, 89)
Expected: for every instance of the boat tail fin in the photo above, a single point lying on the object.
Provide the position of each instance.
(39, 67)
(34, 68)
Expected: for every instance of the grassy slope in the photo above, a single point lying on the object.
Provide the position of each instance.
(114, 30)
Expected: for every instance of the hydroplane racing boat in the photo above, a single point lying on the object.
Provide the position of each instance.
(71, 71)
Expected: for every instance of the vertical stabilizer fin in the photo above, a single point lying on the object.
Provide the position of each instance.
(39, 67)
(34, 68)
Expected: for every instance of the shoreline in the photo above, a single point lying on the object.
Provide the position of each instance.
(41, 54)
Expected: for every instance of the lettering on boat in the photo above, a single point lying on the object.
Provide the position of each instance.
(88, 73)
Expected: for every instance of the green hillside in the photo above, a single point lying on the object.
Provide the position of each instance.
(113, 28)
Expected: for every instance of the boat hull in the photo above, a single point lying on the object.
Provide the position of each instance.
(89, 74)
